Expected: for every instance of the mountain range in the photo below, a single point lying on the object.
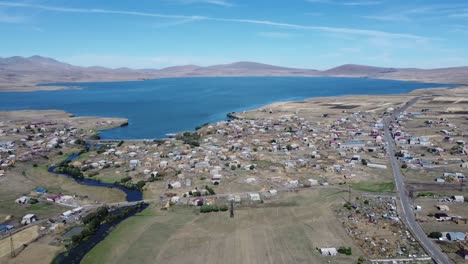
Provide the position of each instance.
(24, 73)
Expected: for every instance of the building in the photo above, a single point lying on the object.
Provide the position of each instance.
(23, 200)
(458, 199)
(40, 191)
(175, 199)
(28, 219)
(352, 145)
(328, 251)
(134, 163)
(54, 198)
(313, 182)
(442, 217)
(443, 207)
(456, 236)
(5, 228)
(254, 196)
(197, 201)
(378, 166)
(216, 179)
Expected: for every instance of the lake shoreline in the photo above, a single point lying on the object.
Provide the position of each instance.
(51, 86)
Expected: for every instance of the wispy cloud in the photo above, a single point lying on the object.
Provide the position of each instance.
(276, 35)
(12, 19)
(389, 18)
(341, 30)
(425, 12)
(211, 2)
(346, 3)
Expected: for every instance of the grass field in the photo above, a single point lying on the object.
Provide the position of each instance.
(269, 234)
(19, 239)
(366, 186)
(25, 178)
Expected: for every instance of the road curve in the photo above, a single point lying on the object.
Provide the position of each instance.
(407, 214)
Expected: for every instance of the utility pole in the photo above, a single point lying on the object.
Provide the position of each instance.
(349, 193)
(231, 209)
(12, 247)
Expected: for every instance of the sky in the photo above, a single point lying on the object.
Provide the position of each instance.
(314, 34)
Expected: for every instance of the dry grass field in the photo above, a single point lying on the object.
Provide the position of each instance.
(287, 233)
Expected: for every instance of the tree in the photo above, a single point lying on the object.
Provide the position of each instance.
(140, 184)
(210, 190)
(345, 250)
(404, 166)
(435, 235)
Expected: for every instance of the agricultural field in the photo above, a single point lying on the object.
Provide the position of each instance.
(283, 233)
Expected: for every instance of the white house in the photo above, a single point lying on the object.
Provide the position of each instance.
(175, 199)
(23, 200)
(328, 251)
(312, 182)
(443, 207)
(458, 199)
(273, 192)
(378, 166)
(134, 163)
(254, 196)
(28, 219)
(176, 184)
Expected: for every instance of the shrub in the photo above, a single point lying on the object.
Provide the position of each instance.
(345, 250)
(435, 235)
(210, 190)
(404, 166)
(223, 208)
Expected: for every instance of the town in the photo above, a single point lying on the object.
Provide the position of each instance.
(255, 159)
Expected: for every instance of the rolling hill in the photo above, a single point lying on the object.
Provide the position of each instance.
(24, 73)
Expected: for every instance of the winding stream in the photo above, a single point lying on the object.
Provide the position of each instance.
(76, 253)
(131, 194)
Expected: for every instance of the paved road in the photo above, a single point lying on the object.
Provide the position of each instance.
(407, 214)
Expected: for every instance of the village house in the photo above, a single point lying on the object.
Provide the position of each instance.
(328, 251)
(254, 197)
(458, 199)
(28, 219)
(442, 217)
(23, 200)
(443, 207)
(456, 236)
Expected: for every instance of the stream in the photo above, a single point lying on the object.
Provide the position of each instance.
(131, 194)
(76, 253)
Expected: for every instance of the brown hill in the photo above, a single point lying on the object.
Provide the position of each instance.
(23, 74)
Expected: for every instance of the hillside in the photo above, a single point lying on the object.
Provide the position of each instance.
(23, 74)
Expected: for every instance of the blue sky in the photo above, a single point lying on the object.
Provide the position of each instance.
(298, 33)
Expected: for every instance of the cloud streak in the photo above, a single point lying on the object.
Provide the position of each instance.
(346, 3)
(211, 2)
(341, 30)
(5, 18)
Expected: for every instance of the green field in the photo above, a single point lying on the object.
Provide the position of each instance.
(289, 232)
(374, 186)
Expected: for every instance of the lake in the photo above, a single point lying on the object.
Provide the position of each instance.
(157, 107)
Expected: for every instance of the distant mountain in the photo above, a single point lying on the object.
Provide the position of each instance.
(20, 73)
(358, 70)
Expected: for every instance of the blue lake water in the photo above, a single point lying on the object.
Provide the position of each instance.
(157, 107)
